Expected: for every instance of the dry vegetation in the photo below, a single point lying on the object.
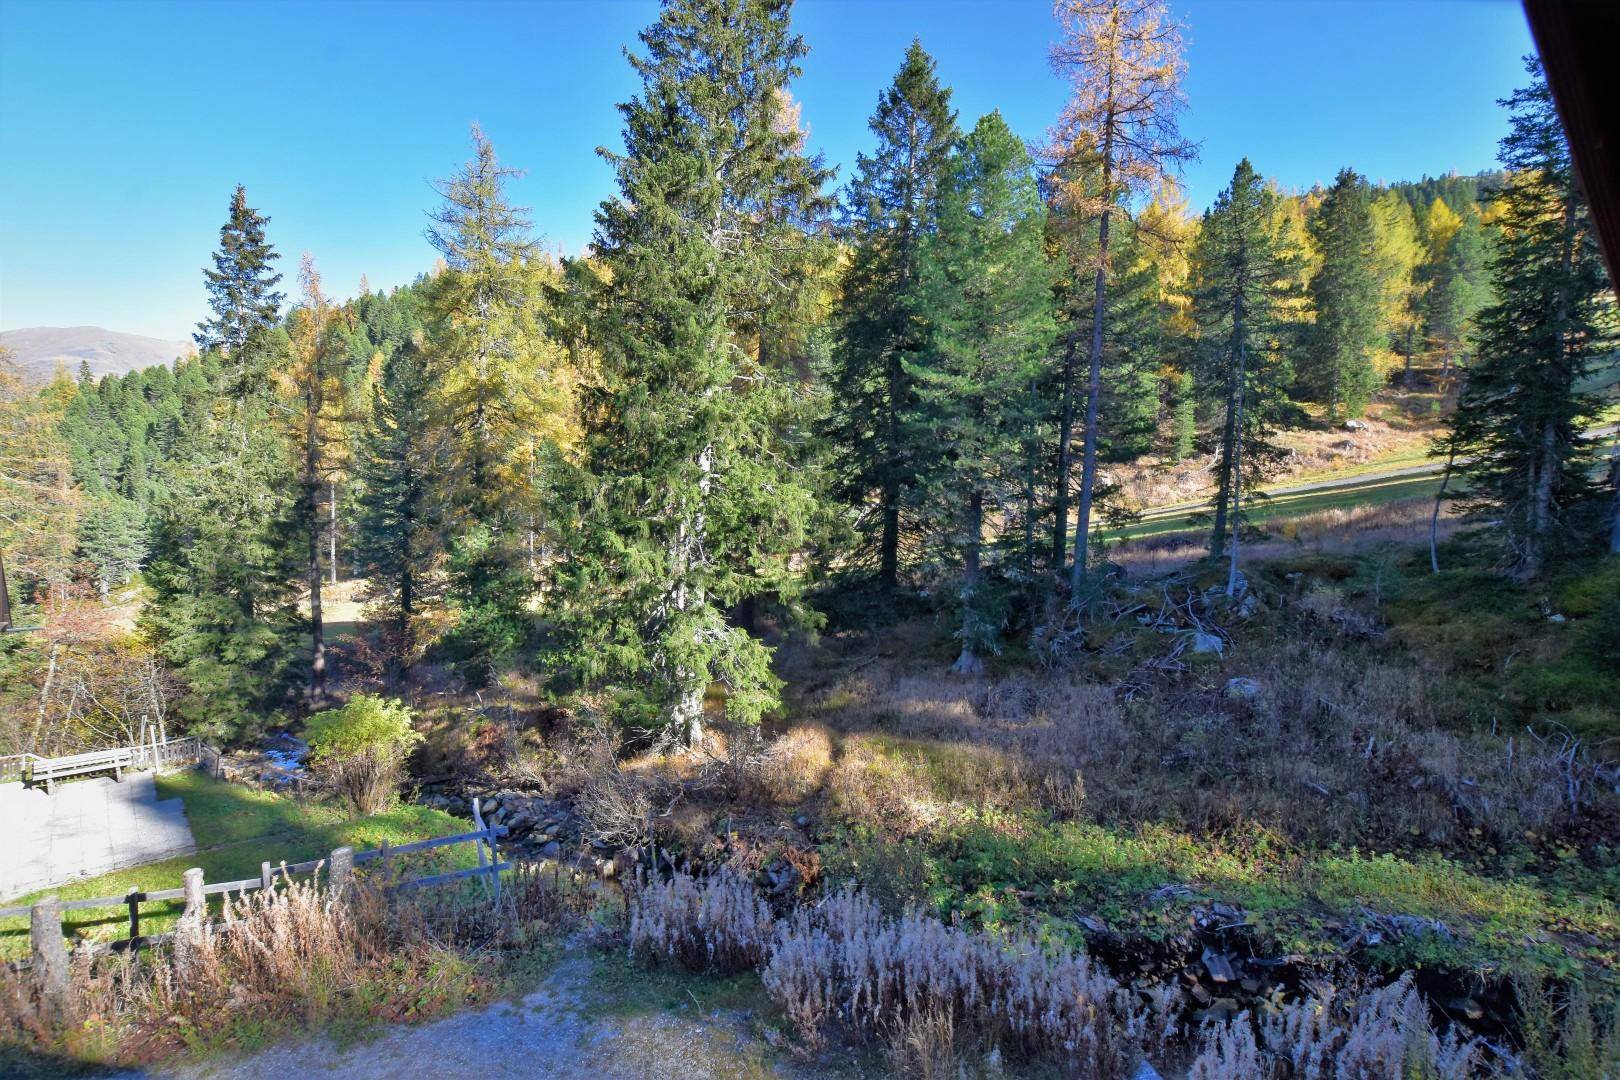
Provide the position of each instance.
(282, 963)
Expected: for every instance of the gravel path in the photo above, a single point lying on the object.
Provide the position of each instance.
(556, 1031)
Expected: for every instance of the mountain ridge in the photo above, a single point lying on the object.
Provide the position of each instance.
(39, 350)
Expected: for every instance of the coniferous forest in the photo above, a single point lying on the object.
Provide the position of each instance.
(991, 616)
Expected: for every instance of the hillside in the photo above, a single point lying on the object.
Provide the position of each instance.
(40, 349)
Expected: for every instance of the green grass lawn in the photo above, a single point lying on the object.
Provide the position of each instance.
(235, 828)
(1375, 491)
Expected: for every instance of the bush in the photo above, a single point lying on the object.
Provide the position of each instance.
(360, 749)
(718, 924)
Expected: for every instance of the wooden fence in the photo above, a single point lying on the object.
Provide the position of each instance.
(45, 915)
(152, 751)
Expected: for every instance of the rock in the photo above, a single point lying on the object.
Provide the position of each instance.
(1145, 1071)
(1555, 618)
(1466, 1007)
(1355, 425)
(802, 821)
(1207, 643)
(1242, 687)
(551, 850)
(1218, 966)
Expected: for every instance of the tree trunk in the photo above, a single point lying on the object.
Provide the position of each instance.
(1223, 477)
(1434, 518)
(1237, 461)
(312, 509)
(969, 663)
(889, 545)
(332, 530)
(1088, 464)
(1060, 509)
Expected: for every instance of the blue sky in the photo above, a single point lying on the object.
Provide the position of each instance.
(124, 126)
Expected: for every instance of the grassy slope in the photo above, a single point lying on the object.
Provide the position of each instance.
(1532, 901)
(235, 828)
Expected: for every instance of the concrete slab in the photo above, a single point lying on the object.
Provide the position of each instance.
(87, 827)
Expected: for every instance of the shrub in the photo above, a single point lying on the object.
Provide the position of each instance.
(718, 924)
(360, 749)
(913, 979)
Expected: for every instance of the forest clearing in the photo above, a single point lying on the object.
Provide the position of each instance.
(1007, 603)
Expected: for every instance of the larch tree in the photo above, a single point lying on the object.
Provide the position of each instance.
(242, 282)
(1458, 286)
(1340, 369)
(1519, 426)
(1398, 256)
(1123, 60)
(501, 390)
(889, 208)
(989, 294)
(687, 502)
(1241, 276)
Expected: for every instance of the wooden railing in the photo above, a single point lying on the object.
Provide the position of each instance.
(13, 766)
(339, 866)
(150, 753)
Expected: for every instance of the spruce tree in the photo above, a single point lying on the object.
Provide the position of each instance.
(312, 407)
(1339, 365)
(242, 284)
(685, 504)
(402, 455)
(1519, 425)
(989, 292)
(1241, 272)
(889, 208)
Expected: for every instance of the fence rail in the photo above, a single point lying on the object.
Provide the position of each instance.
(12, 766)
(152, 751)
(339, 866)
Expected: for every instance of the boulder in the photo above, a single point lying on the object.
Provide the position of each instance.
(1207, 643)
(1242, 687)
(1355, 425)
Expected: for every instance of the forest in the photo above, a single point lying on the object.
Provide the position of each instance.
(796, 549)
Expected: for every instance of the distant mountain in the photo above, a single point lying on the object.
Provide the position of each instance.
(39, 350)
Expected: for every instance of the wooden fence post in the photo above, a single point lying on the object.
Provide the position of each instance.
(341, 875)
(50, 956)
(267, 876)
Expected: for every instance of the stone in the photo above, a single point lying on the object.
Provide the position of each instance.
(1218, 966)
(1207, 643)
(1355, 425)
(551, 850)
(1242, 687)
(802, 821)
(1555, 618)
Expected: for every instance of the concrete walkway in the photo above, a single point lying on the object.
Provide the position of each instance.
(87, 828)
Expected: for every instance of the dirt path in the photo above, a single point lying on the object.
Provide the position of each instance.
(570, 1026)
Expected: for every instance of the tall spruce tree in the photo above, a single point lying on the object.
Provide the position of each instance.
(889, 208)
(402, 456)
(242, 284)
(989, 293)
(685, 505)
(1518, 428)
(1339, 367)
(1240, 273)
(312, 405)
(1118, 135)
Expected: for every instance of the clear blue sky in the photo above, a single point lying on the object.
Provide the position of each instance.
(124, 126)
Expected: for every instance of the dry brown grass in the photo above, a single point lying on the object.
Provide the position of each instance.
(291, 959)
(1371, 742)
